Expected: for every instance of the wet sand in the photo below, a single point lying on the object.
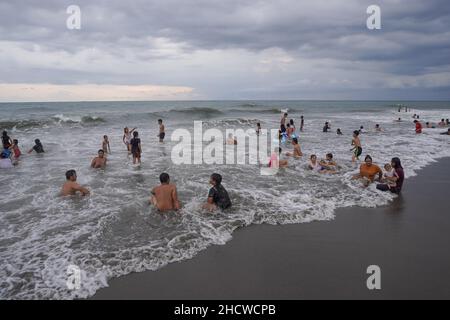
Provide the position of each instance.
(409, 239)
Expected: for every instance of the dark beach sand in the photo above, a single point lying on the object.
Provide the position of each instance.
(409, 239)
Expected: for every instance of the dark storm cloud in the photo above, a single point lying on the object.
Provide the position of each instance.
(414, 40)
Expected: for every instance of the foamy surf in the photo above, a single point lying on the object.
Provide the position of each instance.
(114, 232)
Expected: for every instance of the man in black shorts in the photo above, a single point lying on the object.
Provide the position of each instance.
(217, 196)
(162, 133)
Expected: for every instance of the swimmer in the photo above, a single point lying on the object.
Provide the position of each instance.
(105, 145)
(283, 119)
(6, 140)
(127, 138)
(164, 197)
(162, 131)
(136, 149)
(326, 127)
(368, 172)
(442, 123)
(356, 143)
(71, 187)
(339, 132)
(99, 162)
(418, 126)
(218, 196)
(302, 123)
(328, 165)
(446, 133)
(314, 164)
(378, 128)
(37, 147)
(297, 150)
(258, 129)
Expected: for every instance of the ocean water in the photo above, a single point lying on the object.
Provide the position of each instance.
(114, 231)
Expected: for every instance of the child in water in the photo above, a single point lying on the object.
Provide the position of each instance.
(389, 172)
(136, 149)
(105, 145)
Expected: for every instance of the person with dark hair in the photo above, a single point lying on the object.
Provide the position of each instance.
(71, 187)
(378, 128)
(356, 143)
(361, 129)
(165, 197)
(302, 123)
(368, 171)
(105, 145)
(326, 127)
(162, 131)
(37, 147)
(283, 119)
(446, 132)
(297, 150)
(217, 197)
(275, 161)
(258, 129)
(127, 138)
(99, 162)
(395, 183)
(289, 130)
(447, 122)
(291, 123)
(339, 132)
(442, 123)
(328, 164)
(418, 126)
(136, 148)
(15, 149)
(6, 140)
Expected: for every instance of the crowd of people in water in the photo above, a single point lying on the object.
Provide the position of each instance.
(165, 198)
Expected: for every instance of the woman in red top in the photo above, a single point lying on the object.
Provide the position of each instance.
(418, 126)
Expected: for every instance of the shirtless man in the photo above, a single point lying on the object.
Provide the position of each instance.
(71, 187)
(283, 119)
(162, 132)
(164, 197)
(99, 161)
(297, 151)
(356, 143)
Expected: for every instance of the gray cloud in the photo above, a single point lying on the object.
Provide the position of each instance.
(234, 49)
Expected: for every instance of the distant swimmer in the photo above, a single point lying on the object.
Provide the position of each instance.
(231, 139)
(162, 131)
(297, 150)
(328, 165)
(275, 161)
(442, 123)
(369, 172)
(258, 129)
(447, 122)
(289, 130)
(326, 127)
(37, 147)
(361, 129)
(302, 123)
(6, 140)
(429, 125)
(99, 162)
(218, 196)
(378, 128)
(71, 187)
(339, 132)
(356, 143)
(446, 132)
(314, 165)
(418, 126)
(399, 120)
(105, 145)
(15, 149)
(127, 138)
(164, 197)
(136, 149)
(284, 119)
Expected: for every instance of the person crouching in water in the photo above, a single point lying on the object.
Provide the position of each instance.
(297, 150)
(71, 187)
(136, 149)
(165, 197)
(37, 147)
(217, 197)
(99, 162)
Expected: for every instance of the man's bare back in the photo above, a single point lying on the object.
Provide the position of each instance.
(70, 188)
(98, 163)
(165, 197)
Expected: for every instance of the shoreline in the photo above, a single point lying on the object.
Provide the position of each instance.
(321, 259)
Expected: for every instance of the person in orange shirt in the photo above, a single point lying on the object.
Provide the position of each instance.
(369, 171)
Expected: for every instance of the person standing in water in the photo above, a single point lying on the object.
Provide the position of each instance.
(418, 126)
(105, 145)
(127, 138)
(165, 197)
(218, 196)
(297, 150)
(71, 187)
(258, 129)
(136, 149)
(356, 143)
(6, 140)
(302, 123)
(283, 119)
(37, 147)
(99, 161)
(162, 132)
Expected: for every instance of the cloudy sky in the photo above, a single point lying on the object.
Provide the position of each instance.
(227, 49)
